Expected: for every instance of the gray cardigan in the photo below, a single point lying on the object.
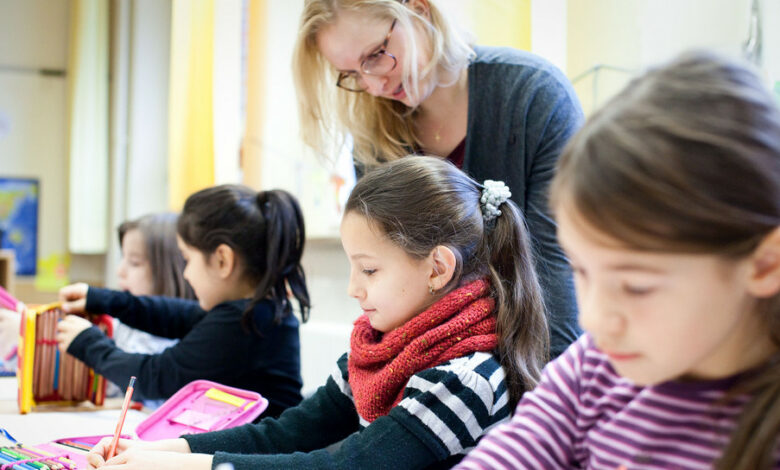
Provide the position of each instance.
(522, 111)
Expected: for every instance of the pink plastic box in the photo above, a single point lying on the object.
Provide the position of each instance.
(196, 408)
(199, 406)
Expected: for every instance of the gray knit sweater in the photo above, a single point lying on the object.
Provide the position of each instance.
(522, 111)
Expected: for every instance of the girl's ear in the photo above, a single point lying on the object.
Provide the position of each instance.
(444, 262)
(224, 260)
(765, 276)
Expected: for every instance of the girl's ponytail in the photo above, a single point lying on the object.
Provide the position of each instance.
(266, 231)
(284, 240)
(521, 325)
(755, 440)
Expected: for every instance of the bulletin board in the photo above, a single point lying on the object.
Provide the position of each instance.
(19, 221)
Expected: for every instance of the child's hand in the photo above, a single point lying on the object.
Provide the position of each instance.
(97, 456)
(134, 459)
(74, 297)
(9, 331)
(68, 328)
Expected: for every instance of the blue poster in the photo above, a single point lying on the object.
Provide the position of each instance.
(19, 221)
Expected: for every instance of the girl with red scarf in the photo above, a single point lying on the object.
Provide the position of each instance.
(453, 333)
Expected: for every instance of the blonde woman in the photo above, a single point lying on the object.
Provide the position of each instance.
(398, 77)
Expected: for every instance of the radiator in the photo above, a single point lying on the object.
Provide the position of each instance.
(322, 343)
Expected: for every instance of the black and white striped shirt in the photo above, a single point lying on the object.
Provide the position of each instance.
(455, 402)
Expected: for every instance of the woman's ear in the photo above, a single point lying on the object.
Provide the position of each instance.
(421, 7)
(444, 263)
(765, 275)
(224, 260)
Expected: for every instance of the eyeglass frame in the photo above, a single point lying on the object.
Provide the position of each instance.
(382, 51)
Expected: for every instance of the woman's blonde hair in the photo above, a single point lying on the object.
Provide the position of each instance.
(381, 129)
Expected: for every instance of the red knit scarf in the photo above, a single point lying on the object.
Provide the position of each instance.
(380, 365)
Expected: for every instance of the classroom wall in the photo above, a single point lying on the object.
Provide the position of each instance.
(33, 143)
(771, 11)
(634, 34)
(326, 336)
(548, 30)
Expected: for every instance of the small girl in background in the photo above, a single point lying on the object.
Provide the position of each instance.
(242, 250)
(151, 264)
(668, 206)
(454, 332)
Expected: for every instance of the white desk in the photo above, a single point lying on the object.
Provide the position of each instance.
(47, 423)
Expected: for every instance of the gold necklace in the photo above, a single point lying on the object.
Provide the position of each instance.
(436, 132)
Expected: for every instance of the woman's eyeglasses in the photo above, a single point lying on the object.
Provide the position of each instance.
(378, 63)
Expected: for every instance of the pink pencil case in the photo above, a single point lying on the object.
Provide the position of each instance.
(200, 406)
(66, 451)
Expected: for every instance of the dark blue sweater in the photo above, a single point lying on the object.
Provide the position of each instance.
(213, 346)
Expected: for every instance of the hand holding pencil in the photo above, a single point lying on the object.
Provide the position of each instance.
(171, 454)
(161, 455)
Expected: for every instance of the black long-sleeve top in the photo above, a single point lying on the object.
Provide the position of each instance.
(213, 346)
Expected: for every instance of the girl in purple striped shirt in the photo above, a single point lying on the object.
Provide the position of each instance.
(668, 206)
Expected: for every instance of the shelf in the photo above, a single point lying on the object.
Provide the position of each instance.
(8, 270)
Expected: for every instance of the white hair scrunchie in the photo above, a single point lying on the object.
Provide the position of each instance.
(494, 193)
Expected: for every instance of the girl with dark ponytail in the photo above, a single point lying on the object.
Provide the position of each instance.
(668, 205)
(427, 206)
(453, 333)
(243, 251)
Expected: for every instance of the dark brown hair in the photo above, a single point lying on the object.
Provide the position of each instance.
(687, 159)
(265, 230)
(420, 203)
(162, 251)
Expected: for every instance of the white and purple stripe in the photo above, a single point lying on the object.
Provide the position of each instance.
(584, 415)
